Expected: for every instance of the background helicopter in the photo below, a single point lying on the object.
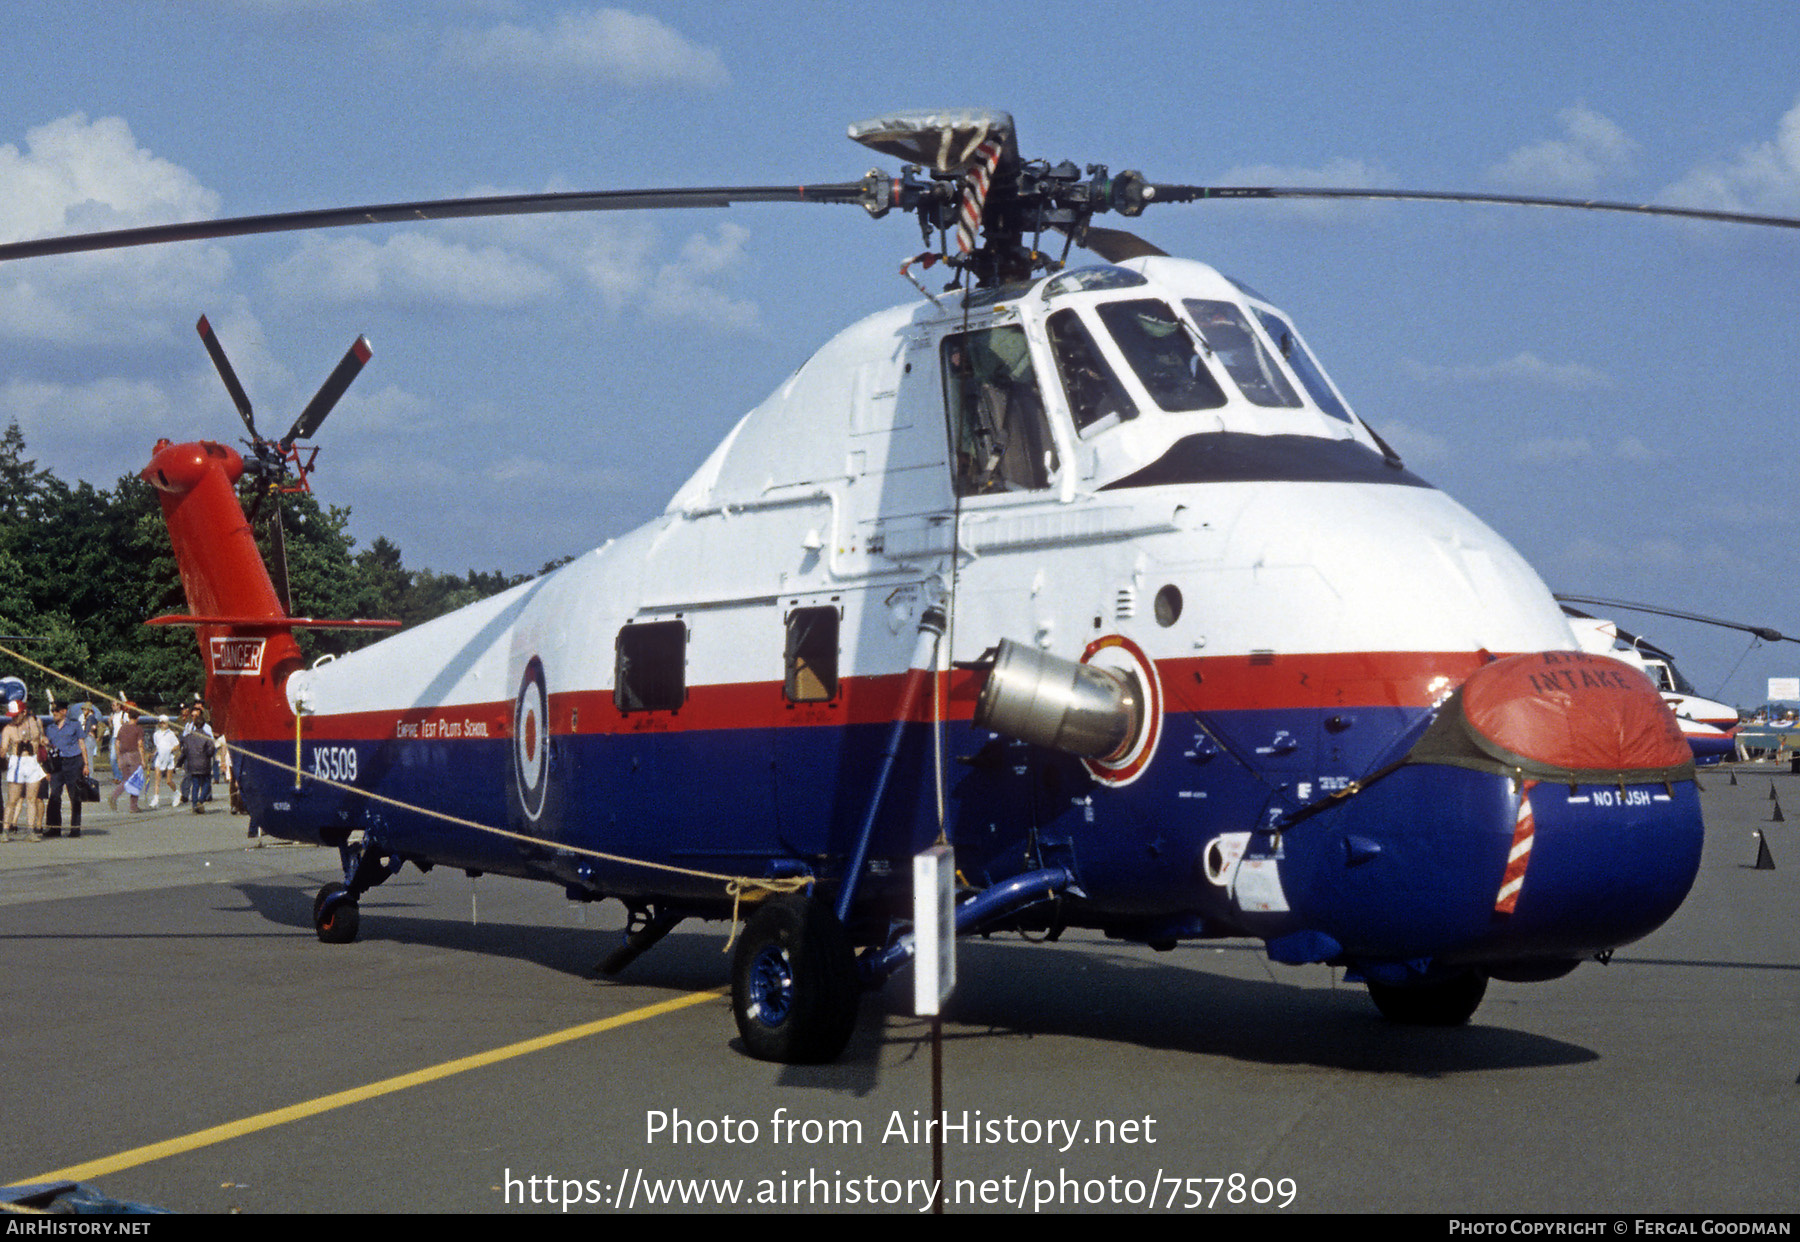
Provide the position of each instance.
(1706, 723)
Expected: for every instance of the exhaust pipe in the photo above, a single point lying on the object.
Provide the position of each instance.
(1080, 709)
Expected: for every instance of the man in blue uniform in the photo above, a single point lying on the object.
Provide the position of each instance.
(68, 764)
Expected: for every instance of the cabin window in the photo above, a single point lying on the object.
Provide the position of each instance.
(1093, 391)
(650, 674)
(998, 432)
(1237, 346)
(812, 655)
(1162, 353)
(1311, 377)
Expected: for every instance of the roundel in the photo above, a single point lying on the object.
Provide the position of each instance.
(1119, 654)
(531, 739)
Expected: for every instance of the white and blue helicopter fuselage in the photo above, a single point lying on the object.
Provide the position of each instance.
(1138, 469)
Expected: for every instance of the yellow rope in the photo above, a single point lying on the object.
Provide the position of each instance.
(45, 668)
(737, 886)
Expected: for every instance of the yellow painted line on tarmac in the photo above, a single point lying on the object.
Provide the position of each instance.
(387, 1086)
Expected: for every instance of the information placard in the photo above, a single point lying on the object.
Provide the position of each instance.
(934, 929)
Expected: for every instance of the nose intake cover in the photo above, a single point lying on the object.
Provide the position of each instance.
(1559, 715)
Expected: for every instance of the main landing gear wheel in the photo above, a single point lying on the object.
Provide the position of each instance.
(335, 917)
(1450, 1002)
(794, 988)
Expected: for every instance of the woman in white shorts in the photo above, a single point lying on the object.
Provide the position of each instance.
(24, 775)
(167, 745)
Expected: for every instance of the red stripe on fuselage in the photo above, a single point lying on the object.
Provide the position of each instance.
(1329, 680)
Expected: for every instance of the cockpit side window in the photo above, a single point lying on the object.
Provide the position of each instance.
(1311, 377)
(998, 431)
(1093, 391)
(1162, 353)
(1235, 344)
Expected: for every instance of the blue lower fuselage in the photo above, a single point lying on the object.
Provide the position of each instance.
(1243, 824)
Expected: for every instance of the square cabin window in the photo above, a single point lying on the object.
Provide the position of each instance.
(650, 674)
(812, 655)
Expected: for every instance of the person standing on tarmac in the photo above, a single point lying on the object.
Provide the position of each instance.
(128, 755)
(68, 765)
(166, 743)
(197, 764)
(19, 741)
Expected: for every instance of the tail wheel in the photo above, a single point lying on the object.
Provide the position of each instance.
(794, 988)
(1449, 1002)
(335, 917)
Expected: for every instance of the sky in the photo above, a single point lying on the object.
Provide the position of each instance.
(1616, 396)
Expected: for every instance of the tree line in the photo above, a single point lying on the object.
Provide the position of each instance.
(82, 569)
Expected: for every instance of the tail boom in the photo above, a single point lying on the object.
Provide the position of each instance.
(246, 637)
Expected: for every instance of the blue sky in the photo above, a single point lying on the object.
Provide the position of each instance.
(1616, 396)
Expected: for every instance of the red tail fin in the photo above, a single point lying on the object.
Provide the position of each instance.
(246, 636)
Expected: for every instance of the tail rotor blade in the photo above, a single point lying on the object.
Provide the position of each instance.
(328, 394)
(217, 351)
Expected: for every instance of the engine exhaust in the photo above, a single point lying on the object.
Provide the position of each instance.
(1080, 709)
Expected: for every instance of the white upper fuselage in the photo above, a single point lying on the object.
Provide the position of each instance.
(1084, 501)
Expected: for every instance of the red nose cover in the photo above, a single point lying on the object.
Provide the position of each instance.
(1573, 712)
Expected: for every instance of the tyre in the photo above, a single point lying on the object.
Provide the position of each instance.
(339, 924)
(794, 989)
(1449, 1002)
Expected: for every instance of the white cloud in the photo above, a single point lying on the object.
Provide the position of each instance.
(1762, 177)
(1660, 554)
(528, 260)
(1523, 367)
(79, 176)
(133, 412)
(1592, 148)
(1637, 452)
(411, 268)
(1337, 174)
(386, 409)
(1415, 445)
(627, 49)
(682, 289)
(1554, 450)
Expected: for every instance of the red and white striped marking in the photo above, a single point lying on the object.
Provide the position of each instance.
(968, 221)
(1524, 828)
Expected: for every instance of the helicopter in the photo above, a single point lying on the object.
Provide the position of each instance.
(1089, 571)
(1707, 724)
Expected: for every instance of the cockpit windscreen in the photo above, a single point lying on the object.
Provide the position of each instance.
(1235, 343)
(1162, 354)
(1311, 377)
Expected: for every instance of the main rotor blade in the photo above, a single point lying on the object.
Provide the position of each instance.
(238, 398)
(1118, 245)
(1195, 193)
(1637, 641)
(328, 394)
(1761, 631)
(437, 209)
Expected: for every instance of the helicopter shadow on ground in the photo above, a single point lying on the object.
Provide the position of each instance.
(689, 961)
(1178, 1005)
(1006, 990)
